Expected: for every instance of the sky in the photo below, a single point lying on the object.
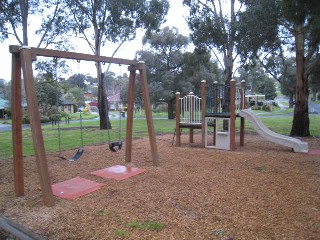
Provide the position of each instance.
(175, 18)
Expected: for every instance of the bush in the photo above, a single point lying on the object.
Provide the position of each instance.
(25, 119)
(256, 107)
(267, 108)
(55, 117)
(43, 119)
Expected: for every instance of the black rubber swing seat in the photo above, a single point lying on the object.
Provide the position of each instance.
(76, 156)
(113, 145)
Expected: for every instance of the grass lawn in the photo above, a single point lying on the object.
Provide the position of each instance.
(70, 134)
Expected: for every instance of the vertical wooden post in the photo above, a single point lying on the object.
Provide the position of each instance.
(178, 112)
(147, 107)
(17, 125)
(191, 115)
(203, 112)
(233, 115)
(242, 106)
(35, 123)
(131, 91)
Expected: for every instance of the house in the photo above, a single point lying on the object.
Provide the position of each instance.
(67, 106)
(3, 105)
(115, 102)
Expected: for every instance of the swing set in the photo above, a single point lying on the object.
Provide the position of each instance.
(22, 57)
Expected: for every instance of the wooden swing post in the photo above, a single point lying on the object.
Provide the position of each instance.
(17, 125)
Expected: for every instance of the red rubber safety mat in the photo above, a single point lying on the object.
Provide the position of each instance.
(315, 152)
(118, 172)
(75, 188)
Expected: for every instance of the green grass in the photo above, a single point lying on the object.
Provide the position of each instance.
(70, 134)
(150, 225)
(120, 233)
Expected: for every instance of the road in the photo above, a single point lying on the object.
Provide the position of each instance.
(314, 108)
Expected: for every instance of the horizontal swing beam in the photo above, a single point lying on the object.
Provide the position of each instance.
(72, 55)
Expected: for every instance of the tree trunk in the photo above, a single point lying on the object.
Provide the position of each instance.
(102, 97)
(24, 14)
(102, 101)
(171, 108)
(291, 100)
(300, 123)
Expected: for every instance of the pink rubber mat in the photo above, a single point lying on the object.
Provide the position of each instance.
(315, 152)
(75, 188)
(118, 172)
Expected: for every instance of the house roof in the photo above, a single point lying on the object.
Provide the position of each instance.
(67, 102)
(114, 98)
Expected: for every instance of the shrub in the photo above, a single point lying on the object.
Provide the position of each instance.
(267, 108)
(256, 107)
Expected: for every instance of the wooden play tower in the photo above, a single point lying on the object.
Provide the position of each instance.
(22, 58)
(214, 113)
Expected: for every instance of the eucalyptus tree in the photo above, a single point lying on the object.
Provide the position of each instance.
(315, 83)
(258, 81)
(48, 95)
(276, 27)
(100, 22)
(165, 60)
(49, 24)
(199, 66)
(215, 28)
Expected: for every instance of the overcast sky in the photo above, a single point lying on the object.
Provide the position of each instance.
(175, 17)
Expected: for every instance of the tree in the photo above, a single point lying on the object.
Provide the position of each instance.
(258, 81)
(98, 22)
(14, 21)
(165, 59)
(216, 30)
(315, 83)
(77, 80)
(276, 27)
(198, 66)
(267, 88)
(288, 80)
(2, 85)
(48, 94)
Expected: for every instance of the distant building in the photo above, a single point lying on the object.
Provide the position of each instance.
(3, 105)
(67, 106)
(115, 102)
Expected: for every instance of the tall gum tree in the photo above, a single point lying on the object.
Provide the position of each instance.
(271, 26)
(165, 57)
(15, 21)
(99, 22)
(214, 26)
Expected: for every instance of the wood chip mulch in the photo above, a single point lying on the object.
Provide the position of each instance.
(259, 191)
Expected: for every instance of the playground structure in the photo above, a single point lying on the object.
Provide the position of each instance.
(22, 58)
(215, 110)
(220, 105)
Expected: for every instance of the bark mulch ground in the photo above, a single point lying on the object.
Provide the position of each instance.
(260, 191)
